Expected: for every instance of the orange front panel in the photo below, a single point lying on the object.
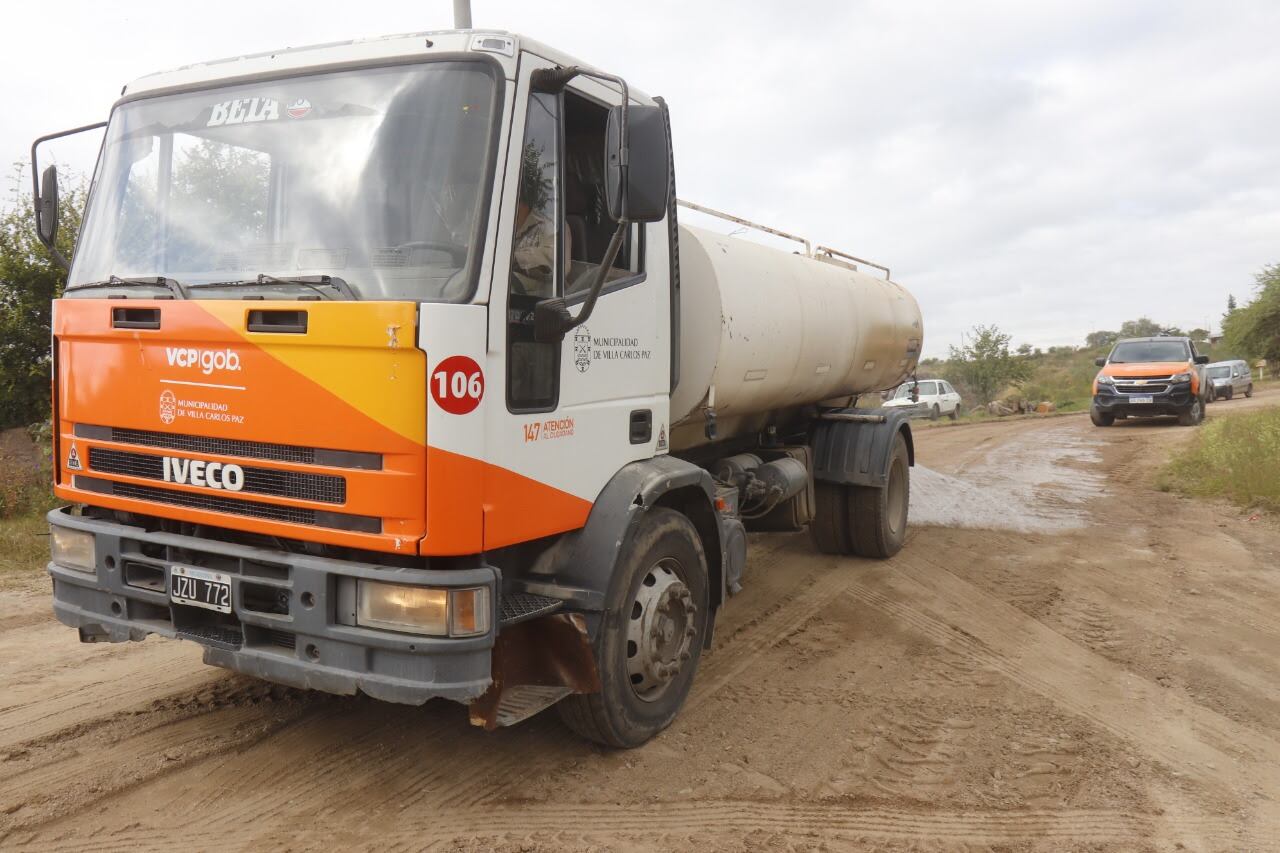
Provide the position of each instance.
(352, 382)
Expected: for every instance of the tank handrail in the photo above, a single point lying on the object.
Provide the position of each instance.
(808, 251)
(830, 252)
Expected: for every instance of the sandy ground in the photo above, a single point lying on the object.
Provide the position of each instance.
(1065, 659)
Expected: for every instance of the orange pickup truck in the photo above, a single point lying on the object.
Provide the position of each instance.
(1147, 377)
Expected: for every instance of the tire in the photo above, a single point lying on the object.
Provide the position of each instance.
(829, 528)
(935, 412)
(1248, 392)
(1100, 418)
(1231, 392)
(878, 516)
(954, 413)
(631, 708)
(1193, 415)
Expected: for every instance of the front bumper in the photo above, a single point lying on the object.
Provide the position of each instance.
(1175, 399)
(292, 619)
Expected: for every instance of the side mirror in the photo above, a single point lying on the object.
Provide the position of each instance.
(1202, 359)
(1100, 361)
(915, 393)
(47, 207)
(638, 179)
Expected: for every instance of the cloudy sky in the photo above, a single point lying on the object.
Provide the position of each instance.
(1051, 167)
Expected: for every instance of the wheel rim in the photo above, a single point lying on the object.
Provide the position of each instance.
(897, 497)
(661, 630)
(1195, 410)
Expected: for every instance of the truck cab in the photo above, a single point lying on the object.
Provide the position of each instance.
(1147, 377)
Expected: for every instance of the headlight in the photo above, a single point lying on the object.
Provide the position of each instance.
(1181, 377)
(72, 548)
(1104, 379)
(423, 610)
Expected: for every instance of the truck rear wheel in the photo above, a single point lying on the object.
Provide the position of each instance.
(878, 515)
(830, 526)
(651, 638)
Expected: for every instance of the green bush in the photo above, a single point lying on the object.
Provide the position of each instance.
(1236, 457)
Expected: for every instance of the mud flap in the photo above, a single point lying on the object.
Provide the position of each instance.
(536, 664)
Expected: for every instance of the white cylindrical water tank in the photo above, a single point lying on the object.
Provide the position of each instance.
(764, 331)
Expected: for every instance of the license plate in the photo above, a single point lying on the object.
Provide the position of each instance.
(200, 588)
(1139, 399)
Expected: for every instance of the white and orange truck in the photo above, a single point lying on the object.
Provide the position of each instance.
(384, 367)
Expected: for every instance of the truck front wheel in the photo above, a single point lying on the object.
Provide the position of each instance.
(1101, 418)
(651, 638)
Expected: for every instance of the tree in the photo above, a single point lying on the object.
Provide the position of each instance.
(29, 282)
(985, 364)
(1143, 327)
(1231, 302)
(1198, 335)
(1254, 329)
(1101, 340)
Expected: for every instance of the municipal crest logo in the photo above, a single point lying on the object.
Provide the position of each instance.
(168, 407)
(582, 349)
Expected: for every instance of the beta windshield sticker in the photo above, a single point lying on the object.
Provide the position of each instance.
(243, 111)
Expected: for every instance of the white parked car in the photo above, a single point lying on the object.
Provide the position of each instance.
(937, 398)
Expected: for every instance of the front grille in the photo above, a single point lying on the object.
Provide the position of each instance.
(232, 506)
(234, 447)
(322, 488)
(215, 503)
(1150, 384)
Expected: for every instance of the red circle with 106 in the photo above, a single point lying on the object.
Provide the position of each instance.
(457, 384)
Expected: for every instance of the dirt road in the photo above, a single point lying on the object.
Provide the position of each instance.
(1064, 659)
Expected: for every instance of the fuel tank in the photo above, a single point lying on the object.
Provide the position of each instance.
(764, 333)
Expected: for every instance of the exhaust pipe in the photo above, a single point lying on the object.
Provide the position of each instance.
(462, 14)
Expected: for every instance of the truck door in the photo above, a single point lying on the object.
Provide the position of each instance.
(574, 411)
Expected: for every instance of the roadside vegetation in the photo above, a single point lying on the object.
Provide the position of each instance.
(25, 496)
(1235, 457)
(986, 369)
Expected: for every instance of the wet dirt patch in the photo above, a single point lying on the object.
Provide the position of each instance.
(1034, 483)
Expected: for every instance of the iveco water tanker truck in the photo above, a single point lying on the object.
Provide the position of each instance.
(385, 367)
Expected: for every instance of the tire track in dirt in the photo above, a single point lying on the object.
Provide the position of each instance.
(68, 698)
(71, 776)
(667, 825)
(1178, 732)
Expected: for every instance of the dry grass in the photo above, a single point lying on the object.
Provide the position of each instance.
(24, 545)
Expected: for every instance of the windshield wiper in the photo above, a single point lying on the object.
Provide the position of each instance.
(314, 282)
(172, 285)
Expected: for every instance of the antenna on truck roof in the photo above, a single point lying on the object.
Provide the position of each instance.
(462, 14)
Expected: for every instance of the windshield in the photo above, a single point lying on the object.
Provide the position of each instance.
(376, 176)
(1139, 351)
(1219, 372)
(904, 391)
